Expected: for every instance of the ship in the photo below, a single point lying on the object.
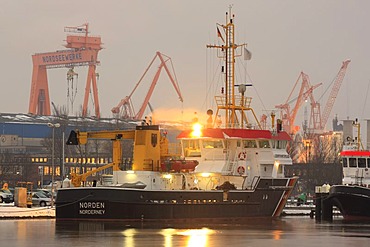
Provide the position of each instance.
(352, 197)
(225, 170)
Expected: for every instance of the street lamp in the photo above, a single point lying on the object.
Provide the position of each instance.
(53, 126)
(308, 151)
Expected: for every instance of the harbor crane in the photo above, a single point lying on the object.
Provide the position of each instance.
(125, 108)
(333, 95)
(317, 120)
(83, 51)
(288, 115)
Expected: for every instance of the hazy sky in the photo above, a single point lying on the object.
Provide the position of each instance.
(285, 38)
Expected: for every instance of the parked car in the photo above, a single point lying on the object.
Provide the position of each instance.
(6, 196)
(45, 192)
(40, 199)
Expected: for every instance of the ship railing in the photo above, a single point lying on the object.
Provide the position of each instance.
(255, 182)
(240, 101)
(230, 164)
(229, 167)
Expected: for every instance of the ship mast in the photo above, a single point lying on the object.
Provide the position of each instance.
(229, 101)
(356, 125)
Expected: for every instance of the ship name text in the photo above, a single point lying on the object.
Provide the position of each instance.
(92, 208)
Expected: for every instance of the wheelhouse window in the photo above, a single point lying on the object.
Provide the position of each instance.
(238, 143)
(191, 148)
(264, 144)
(249, 144)
(352, 162)
(368, 162)
(345, 162)
(362, 162)
(212, 144)
(279, 144)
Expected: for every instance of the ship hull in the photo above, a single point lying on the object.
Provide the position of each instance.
(352, 201)
(111, 203)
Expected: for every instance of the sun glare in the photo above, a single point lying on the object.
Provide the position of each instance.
(197, 130)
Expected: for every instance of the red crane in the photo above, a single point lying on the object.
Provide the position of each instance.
(125, 106)
(83, 51)
(333, 95)
(287, 115)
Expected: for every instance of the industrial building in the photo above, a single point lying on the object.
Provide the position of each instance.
(26, 147)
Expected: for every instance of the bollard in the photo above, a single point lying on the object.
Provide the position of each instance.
(318, 206)
(327, 209)
(323, 205)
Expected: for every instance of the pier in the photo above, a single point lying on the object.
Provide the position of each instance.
(9, 211)
(324, 208)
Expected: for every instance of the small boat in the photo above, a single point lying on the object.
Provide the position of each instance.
(229, 171)
(352, 198)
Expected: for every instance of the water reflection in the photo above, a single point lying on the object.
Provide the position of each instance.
(197, 237)
(190, 234)
(132, 234)
(167, 234)
(276, 234)
(257, 232)
(129, 237)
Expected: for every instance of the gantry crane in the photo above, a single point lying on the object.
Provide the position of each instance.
(287, 115)
(83, 51)
(125, 108)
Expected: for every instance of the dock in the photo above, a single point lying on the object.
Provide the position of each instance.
(324, 208)
(9, 211)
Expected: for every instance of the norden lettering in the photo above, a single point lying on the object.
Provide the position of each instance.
(92, 208)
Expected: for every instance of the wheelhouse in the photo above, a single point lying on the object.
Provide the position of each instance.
(355, 159)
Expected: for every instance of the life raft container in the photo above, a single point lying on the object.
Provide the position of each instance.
(178, 165)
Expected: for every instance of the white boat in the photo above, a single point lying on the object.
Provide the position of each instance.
(352, 198)
(222, 173)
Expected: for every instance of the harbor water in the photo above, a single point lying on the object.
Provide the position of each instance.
(286, 231)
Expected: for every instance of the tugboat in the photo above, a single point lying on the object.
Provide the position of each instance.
(225, 171)
(353, 197)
